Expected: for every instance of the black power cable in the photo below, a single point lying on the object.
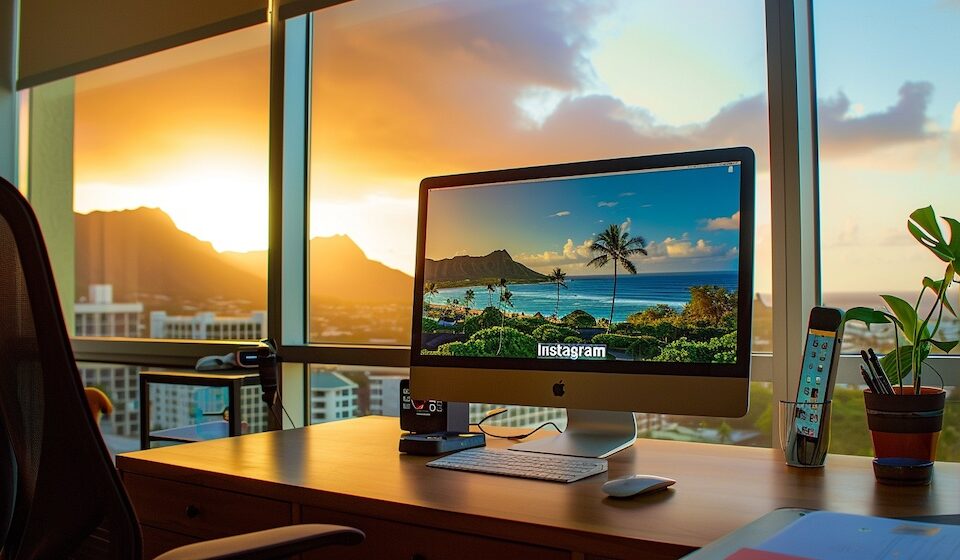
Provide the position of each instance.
(497, 412)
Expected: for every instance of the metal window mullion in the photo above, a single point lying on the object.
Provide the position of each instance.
(793, 184)
(158, 353)
(9, 101)
(289, 152)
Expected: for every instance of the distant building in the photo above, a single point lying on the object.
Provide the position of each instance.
(207, 326)
(385, 394)
(332, 397)
(171, 405)
(98, 315)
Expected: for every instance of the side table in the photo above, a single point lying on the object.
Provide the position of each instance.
(232, 381)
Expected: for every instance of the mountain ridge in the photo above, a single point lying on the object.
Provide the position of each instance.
(470, 270)
(147, 258)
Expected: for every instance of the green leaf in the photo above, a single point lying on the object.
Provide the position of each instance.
(866, 315)
(937, 285)
(905, 355)
(927, 219)
(945, 345)
(889, 363)
(924, 227)
(905, 313)
(954, 237)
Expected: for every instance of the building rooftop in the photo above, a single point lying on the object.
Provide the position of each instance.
(330, 380)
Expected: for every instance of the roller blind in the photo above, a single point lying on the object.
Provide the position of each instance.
(60, 38)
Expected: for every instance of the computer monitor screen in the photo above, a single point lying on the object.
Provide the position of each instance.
(620, 284)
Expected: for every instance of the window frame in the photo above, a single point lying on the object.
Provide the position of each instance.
(794, 223)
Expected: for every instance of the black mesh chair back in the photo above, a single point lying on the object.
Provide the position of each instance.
(61, 495)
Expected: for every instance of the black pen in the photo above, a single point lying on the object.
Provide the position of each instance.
(881, 388)
(879, 369)
(867, 380)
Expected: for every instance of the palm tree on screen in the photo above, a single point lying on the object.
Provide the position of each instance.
(429, 289)
(490, 290)
(558, 277)
(616, 246)
(506, 300)
(468, 299)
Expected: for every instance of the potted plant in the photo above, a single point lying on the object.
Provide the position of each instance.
(907, 424)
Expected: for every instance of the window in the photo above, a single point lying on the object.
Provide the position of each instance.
(889, 131)
(169, 191)
(513, 83)
(506, 84)
(529, 80)
(889, 143)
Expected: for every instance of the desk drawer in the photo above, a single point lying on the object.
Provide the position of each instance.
(387, 540)
(199, 511)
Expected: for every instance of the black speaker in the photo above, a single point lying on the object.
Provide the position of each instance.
(426, 417)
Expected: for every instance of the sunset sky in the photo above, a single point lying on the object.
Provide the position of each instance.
(407, 90)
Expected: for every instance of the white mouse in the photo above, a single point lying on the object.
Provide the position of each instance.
(635, 484)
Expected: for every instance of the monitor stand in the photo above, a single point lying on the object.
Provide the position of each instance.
(589, 433)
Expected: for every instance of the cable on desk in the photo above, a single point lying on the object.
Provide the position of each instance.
(497, 412)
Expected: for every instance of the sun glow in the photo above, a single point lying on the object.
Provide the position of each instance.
(369, 221)
(223, 202)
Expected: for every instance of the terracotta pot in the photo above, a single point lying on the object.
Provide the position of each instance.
(906, 425)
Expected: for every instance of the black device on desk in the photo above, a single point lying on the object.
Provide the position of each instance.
(431, 416)
(435, 427)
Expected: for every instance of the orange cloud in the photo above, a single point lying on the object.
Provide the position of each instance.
(134, 122)
(842, 134)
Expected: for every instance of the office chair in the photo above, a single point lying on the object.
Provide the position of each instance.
(60, 496)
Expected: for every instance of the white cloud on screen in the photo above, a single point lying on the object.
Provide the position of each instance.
(569, 253)
(683, 247)
(724, 223)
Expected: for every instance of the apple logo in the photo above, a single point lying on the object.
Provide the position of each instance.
(558, 389)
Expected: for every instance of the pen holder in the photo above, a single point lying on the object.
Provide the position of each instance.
(905, 428)
(805, 432)
(905, 425)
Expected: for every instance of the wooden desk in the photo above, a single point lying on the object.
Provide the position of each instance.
(349, 472)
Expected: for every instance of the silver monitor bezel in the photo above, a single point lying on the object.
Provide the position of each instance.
(674, 388)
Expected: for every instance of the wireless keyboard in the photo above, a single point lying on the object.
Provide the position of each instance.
(522, 464)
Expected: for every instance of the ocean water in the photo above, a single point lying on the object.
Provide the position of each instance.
(592, 293)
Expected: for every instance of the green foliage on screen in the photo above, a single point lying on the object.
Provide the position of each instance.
(579, 318)
(554, 333)
(506, 342)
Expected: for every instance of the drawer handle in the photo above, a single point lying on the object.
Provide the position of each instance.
(418, 557)
(192, 511)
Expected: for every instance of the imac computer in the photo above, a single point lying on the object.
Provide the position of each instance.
(603, 287)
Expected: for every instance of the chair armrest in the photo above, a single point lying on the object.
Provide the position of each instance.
(281, 542)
